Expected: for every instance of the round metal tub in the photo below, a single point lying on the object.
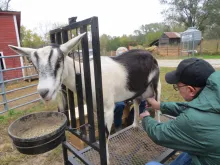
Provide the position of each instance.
(38, 133)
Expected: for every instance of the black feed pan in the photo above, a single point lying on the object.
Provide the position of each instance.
(38, 133)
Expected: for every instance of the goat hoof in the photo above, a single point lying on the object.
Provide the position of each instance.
(135, 126)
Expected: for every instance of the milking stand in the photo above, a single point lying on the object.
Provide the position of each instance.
(62, 35)
(86, 131)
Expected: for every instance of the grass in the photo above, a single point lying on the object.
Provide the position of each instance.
(10, 156)
(13, 114)
(211, 56)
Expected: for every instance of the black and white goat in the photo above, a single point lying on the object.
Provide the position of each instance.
(132, 75)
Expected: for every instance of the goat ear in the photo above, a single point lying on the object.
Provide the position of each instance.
(69, 45)
(22, 50)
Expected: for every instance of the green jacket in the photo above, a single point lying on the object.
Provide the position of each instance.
(196, 129)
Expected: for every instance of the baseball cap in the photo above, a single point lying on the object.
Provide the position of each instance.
(191, 71)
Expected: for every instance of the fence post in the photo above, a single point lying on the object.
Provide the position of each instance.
(2, 84)
(178, 49)
(200, 49)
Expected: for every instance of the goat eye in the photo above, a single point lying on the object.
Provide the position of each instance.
(59, 61)
(57, 65)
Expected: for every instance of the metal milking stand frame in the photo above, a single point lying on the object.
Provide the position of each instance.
(60, 36)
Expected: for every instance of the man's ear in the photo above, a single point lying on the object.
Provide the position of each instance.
(192, 90)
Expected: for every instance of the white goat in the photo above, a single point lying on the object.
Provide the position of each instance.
(132, 75)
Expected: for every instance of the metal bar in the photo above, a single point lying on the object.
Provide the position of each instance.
(193, 48)
(17, 68)
(58, 38)
(59, 41)
(72, 108)
(165, 156)
(52, 38)
(76, 153)
(80, 102)
(88, 88)
(64, 36)
(65, 154)
(19, 78)
(72, 20)
(72, 161)
(16, 89)
(85, 139)
(25, 103)
(65, 105)
(98, 87)
(2, 84)
(12, 56)
(73, 25)
(2, 112)
(18, 98)
(84, 150)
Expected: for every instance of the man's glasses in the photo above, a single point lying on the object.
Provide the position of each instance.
(176, 87)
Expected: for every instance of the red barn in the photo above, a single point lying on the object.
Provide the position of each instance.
(10, 35)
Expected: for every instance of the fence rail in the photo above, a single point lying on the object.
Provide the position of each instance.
(15, 91)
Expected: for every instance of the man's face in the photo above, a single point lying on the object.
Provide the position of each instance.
(186, 91)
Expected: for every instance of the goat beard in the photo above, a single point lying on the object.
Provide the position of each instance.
(61, 101)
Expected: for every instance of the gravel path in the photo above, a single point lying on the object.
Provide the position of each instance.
(173, 63)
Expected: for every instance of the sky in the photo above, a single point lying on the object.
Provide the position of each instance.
(116, 17)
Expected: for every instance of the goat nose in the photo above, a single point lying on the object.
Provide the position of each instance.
(43, 92)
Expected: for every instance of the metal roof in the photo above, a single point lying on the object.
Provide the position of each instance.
(172, 34)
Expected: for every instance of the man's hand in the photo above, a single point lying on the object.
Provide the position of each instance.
(145, 113)
(154, 104)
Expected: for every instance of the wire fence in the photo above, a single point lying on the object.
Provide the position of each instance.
(18, 81)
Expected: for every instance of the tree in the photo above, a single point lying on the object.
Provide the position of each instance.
(113, 44)
(43, 30)
(4, 5)
(150, 32)
(104, 40)
(125, 41)
(30, 39)
(190, 12)
(213, 23)
(213, 32)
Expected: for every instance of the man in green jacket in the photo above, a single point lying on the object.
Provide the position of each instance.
(196, 129)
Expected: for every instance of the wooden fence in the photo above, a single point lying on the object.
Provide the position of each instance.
(169, 50)
(207, 47)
